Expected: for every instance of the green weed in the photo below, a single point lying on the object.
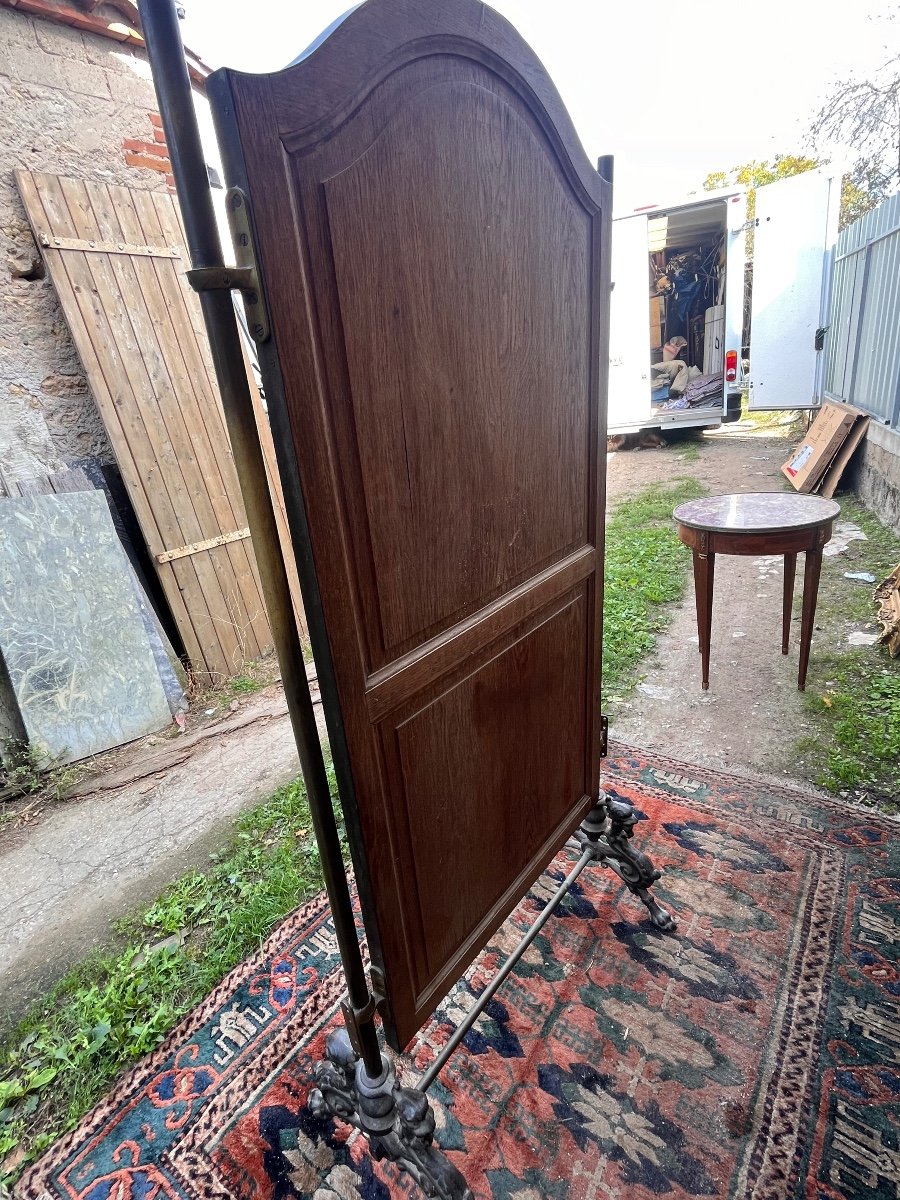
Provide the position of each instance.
(22, 767)
(116, 1006)
(646, 570)
(863, 712)
(243, 685)
(853, 695)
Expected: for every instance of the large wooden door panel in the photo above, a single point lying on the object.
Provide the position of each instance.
(434, 249)
(427, 436)
(513, 727)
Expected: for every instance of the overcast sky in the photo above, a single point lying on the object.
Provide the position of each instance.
(672, 90)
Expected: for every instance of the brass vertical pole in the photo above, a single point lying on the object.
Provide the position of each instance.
(162, 35)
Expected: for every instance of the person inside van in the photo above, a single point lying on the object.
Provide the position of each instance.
(672, 370)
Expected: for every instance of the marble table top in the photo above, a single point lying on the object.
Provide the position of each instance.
(757, 512)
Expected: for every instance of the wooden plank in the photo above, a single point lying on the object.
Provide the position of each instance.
(212, 443)
(138, 330)
(264, 429)
(183, 303)
(198, 547)
(169, 218)
(142, 466)
(168, 398)
(178, 406)
(165, 433)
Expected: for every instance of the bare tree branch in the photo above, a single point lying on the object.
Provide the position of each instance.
(864, 116)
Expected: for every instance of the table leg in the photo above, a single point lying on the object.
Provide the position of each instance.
(811, 573)
(704, 571)
(790, 571)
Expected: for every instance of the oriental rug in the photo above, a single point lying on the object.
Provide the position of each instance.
(753, 1054)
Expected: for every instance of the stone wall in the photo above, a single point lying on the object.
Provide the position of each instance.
(71, 103)
(876, 473)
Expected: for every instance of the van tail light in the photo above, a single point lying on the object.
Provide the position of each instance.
(730, 366)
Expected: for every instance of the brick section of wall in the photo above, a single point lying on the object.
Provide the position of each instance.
(151, 156)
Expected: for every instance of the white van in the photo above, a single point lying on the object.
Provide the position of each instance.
(679, 289)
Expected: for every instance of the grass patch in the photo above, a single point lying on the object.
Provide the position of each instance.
(853, 695)
(646, 570)
(861, 711)
(253, 677)
(785, 422)
(113, 1008)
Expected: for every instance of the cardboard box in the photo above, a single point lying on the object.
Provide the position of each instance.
(832, 476)
(808, 463)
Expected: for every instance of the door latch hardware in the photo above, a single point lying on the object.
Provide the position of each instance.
(244, 277)
(604, 736)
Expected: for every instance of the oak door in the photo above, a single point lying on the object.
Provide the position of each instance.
(434, 246)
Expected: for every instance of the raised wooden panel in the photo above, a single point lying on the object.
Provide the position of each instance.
(434, 250)
(493, 307)
(507, 714)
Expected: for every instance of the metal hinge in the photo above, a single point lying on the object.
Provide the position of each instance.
(819, 343)
(604, 736)
(97, 246)
(244, 277)
(355, 1017)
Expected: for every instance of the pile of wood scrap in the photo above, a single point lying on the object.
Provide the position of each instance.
(887, 596)
(818, 463)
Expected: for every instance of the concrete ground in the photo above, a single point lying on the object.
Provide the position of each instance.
(127, 832)
(164, 804)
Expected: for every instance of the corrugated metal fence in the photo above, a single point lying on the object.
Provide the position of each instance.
(862, 361)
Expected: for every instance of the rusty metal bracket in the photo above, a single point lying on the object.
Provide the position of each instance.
(97, 246)
(354, 1018)
(244, 277)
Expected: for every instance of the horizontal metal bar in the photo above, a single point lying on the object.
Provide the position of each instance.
(210, 544)
(500, 978)
(865, 246)
(51, 242)
(222, 279)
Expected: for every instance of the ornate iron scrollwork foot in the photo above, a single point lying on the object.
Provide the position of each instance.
(607, 831)
(398, 1122)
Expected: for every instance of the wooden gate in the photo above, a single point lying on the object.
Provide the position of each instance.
(435, 251)
(117, 260)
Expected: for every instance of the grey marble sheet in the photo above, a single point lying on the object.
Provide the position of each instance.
(72, 636)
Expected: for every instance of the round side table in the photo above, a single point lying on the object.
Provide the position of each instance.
(758, 523)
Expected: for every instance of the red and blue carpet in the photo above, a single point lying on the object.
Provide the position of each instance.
(755, 1053)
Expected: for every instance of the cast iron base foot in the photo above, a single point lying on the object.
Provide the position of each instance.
(398, 1122)
(607, 831)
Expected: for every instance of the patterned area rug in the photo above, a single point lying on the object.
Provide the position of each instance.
(755, 1053)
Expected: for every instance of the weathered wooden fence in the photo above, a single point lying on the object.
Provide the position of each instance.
(117, 260)
(862, 361)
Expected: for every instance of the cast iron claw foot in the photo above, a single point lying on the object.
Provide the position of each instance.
(398, 1122)
(607, 830)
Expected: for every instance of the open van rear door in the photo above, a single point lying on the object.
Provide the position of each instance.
(629, 357)
(795, 231)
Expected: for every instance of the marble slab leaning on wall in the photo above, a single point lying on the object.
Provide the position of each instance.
(72, 638)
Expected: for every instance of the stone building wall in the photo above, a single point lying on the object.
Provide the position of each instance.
(72, 102)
